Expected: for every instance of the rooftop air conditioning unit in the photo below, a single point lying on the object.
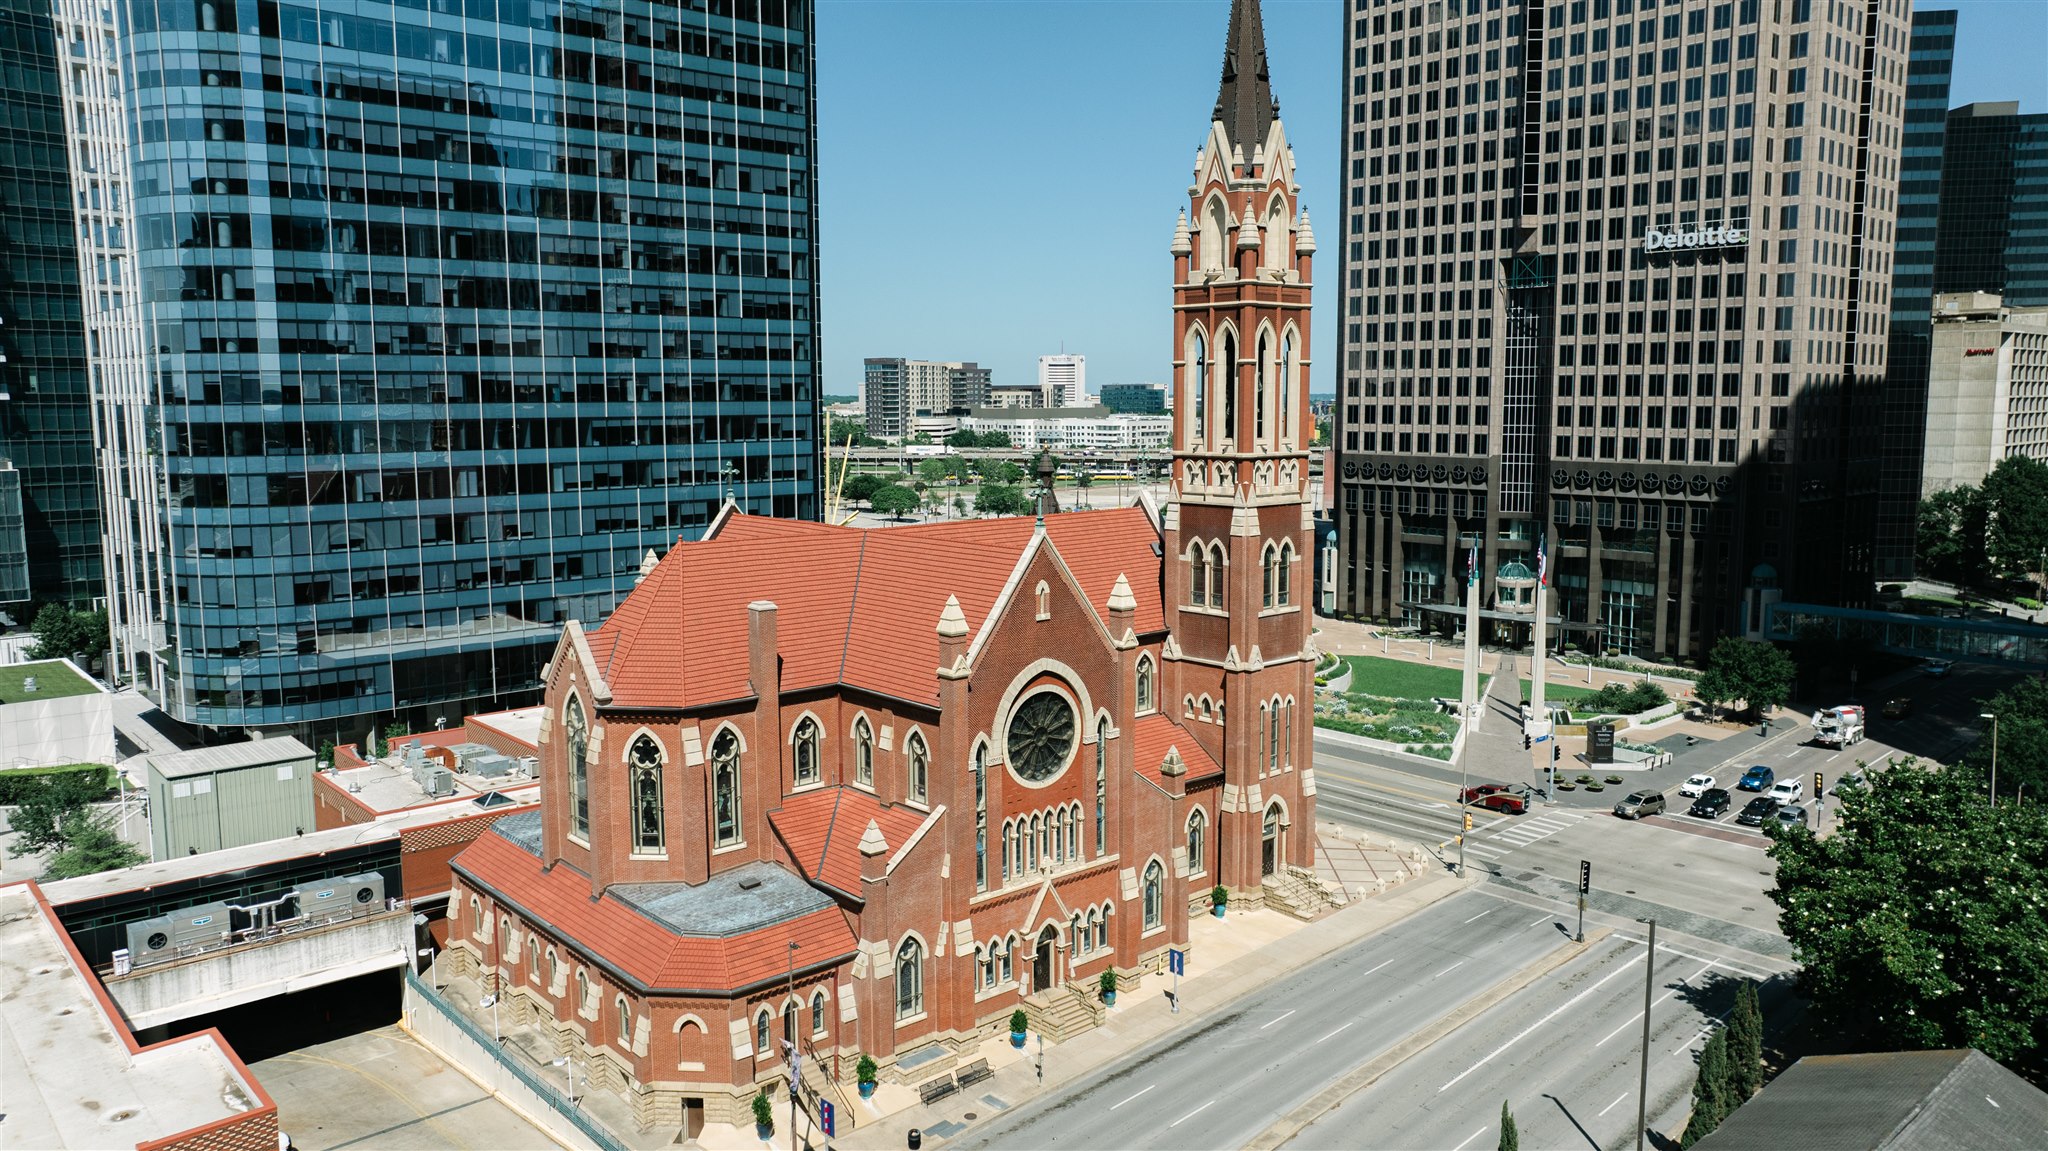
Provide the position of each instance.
(529, 767)
(439, 782)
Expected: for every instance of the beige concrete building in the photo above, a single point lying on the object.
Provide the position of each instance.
(1987, 388)
(895, 392)
(1616, 275)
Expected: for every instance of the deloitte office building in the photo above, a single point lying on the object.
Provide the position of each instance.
(1616, 276)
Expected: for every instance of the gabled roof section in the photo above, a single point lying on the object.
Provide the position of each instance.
(1958, 1100)
(823, 829)
(857, 607)
(1158, 734)
(1244, 101)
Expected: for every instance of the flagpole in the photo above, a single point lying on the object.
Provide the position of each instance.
(1538, 661)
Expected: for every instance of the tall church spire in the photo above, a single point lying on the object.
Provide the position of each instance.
(1244, 102)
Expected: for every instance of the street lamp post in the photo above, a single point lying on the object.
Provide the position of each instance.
(792, 1044)
(1643, 1083)
(568, 1061)
(1994, 753)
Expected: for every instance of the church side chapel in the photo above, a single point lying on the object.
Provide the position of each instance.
(869, 791)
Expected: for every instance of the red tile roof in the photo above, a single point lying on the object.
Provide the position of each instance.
(647, 952)
(823, 828)
(1156, 734)
(855, 606)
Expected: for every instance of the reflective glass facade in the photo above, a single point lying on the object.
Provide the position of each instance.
(1994, 205)
(46, 414)
(443, 313)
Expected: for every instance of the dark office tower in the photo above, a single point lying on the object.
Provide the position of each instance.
(420, 322)
(1616, 275)
(1929, 63)
(45, 401)
(1994, 205)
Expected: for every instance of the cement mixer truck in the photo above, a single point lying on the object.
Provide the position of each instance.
(1838, 726)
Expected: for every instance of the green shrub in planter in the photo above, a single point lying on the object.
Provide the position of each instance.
(1566, 785)
(1019, 1022)
(1612, 779)
(1596, 787)
(1584, 779)
(764, 1112)
(865, 1070)
(1106, 983)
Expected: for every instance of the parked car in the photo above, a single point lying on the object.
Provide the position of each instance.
(1938, 668)
(1791, 789)
(1480, 791)
(1639, 804)
(1790, 816)
(1757, 778)
(1898, 708)
(1757, 810)
(1850, 781)
(1712, 803)
(1505, 802)
(1696, 786)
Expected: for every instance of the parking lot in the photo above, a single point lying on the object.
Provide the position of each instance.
(382, 1089)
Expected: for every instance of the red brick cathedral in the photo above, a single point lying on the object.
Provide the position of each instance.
(870, 791)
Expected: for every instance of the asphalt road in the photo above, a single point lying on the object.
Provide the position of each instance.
(1565, 1054)
(1223, 1081)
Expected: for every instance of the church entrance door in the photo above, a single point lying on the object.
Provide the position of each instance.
(1269, 842)
(1042, 964)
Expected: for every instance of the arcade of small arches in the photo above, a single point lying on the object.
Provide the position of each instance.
(1275, 365)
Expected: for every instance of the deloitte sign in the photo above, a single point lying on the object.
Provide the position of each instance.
(1715, 237)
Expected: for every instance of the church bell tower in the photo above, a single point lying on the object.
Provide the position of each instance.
(1239, 526)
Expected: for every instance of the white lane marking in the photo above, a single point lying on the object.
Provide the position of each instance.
(1114, 1106)
(1468, 1142)
(1546, 917)
(1494, 824)
(1561, 1009)
(1448, 970)
(1376, 967)
(1723, 964)
(1613, 1105)
(1661, 998)
(1271, 1022)
(1483, 914)
(1333, 1032)
(1189, 1115)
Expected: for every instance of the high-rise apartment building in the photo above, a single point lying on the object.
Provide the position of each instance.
(1615, 275)
(45, 397)
(1993, 230)
(895, 392)
(416, 325)
(1930, 62)
(1063, 380)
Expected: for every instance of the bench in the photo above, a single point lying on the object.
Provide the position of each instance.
(937, 1089)
(974, 1073)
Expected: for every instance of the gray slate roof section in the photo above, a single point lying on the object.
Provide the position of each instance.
(1922, 1100)
(721, 906)
(523, 829)
(230, 756)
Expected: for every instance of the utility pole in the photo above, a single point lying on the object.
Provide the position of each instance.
(1643, 1083)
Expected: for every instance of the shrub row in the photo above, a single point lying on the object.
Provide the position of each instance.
(70, 783)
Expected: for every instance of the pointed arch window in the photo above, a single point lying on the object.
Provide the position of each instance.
(1261, 745)
(1259, 392)
(863, 753)
(645, 763)
(1273, 746)
(1216, 575)
(1284, 410)
(1198, 384)
(583, 993)
(920, 768)
(725, 789)
(1287, 741)
(1279, 239)
(577, 732)
(625, 1013)
(1215, 235)
(1155, 894)
(789, 1022)
(1198, 576)
(909, 979)
(818, 1013)
(1227, 362)
(1198, 841)
(980, 770)
(1267, 560)
(806, 752)
(1283, 574)
(1145, 685)
(761, 1032)
(1101, 785)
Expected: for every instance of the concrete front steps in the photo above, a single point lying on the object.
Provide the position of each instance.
(1298, 892)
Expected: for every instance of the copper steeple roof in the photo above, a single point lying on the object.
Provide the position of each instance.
(1245, 101)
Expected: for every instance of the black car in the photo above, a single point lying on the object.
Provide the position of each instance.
(1759, 809)
(1712, 803)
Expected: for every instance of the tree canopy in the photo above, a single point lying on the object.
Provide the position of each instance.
(934, 472)
(90, 847)
(1758, 674)
(840, 431)
(893, 500)
(1922, 922)
(968, 438)
(62, 632)
(997, 499)
(1001, 471)
(861, 486)
(1997, 530)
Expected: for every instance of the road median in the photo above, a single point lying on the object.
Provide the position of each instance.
(1291, 1124)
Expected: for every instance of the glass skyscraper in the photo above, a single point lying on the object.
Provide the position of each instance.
(419, 322)
(1993, 234)
(45, 403)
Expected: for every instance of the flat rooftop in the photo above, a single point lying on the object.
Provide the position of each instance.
(520, 723)
(74, 1075)
(386, 787)
(183, 867)
(54, 678)
(230, 757)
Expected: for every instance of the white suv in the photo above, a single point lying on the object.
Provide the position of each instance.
(1788, 790)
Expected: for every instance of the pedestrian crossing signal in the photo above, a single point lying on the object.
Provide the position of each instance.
(1468, 821)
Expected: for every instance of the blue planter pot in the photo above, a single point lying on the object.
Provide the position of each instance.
(1219, 909)
(1017, 1038)
(1109, 998)
(867, 1091)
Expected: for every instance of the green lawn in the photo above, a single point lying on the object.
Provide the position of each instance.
(54, 680)
(1554, 692)
(1399, 679)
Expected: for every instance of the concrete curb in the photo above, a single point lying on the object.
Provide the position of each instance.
(1292, 1123)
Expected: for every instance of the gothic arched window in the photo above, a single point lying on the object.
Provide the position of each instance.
(806, 752)
(1198, 384)
(1145, 703)
(725, 790)
(1198, 835)
(980, 770)
(863, 753)
(644, 768)
(577, 733)
(1284, 418)
(818, 1013)
(909, 979)
(1266, 565)
(1101, 783)
(920, 768)
(1259, 392)
(1198, 576)
(1283, 568)
(1216, 575)
(1155, 894)
(1227, 362)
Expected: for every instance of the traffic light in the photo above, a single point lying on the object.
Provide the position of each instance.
(1585, 876)
(1555, 755)
(1468, 821)
(1818, 785)
(1525, 741)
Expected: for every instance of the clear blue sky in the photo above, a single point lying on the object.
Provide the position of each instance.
(1000, 177)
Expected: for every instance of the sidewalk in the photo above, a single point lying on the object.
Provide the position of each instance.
(1141, 1017)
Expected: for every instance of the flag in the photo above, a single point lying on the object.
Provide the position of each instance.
(1542, 566)
(1472, 566)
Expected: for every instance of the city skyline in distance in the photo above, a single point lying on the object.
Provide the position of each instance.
(1000, 205)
